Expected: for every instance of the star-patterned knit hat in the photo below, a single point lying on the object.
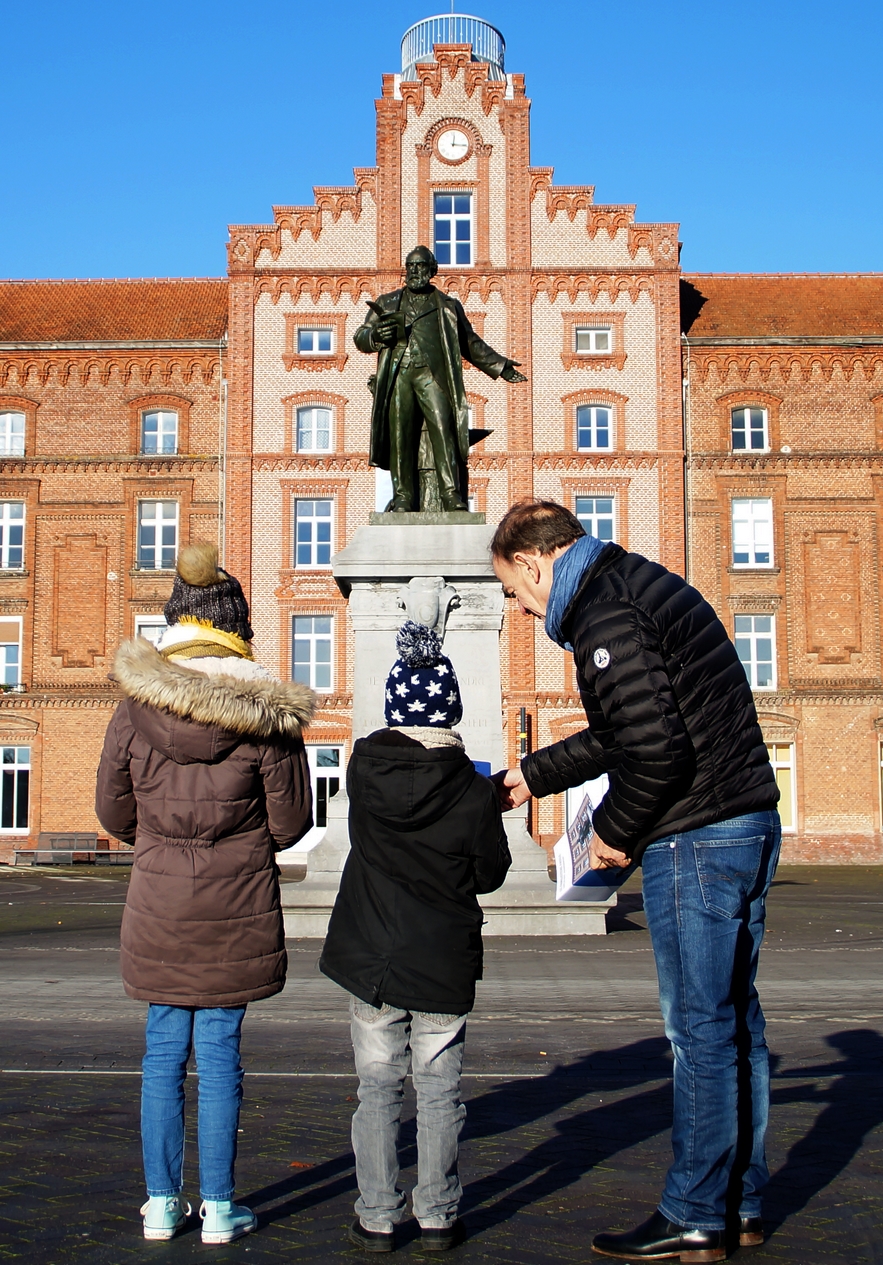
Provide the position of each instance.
(422, 688)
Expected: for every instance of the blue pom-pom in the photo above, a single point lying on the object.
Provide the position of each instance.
(418, 646)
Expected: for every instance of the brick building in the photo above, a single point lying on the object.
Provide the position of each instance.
(729, 426)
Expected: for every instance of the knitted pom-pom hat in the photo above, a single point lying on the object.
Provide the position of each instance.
(207, 595)
(422, 688)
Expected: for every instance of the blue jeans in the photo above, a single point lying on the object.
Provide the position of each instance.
(172, 1032)
(705, 900)
(384, 1041)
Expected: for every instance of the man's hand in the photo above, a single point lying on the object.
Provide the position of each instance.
(511, 374)
(511, 788)
(605, 858)
(386, 331)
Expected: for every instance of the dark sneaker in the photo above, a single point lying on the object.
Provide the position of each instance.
(371, 1240)
(659, 1239)
(433, 1240)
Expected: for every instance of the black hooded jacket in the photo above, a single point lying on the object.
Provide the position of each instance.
(426, 835)
(670, 711)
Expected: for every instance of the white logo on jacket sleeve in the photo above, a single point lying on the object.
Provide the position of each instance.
(601, 658)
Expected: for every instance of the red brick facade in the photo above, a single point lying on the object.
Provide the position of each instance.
(82, 362)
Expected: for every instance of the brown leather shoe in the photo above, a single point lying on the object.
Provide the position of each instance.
(659, 1239)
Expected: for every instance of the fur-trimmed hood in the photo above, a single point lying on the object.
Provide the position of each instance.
(257, 709)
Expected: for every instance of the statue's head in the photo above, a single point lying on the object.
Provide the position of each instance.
(420, 267)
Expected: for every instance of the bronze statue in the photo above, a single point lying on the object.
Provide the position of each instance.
(420, 420)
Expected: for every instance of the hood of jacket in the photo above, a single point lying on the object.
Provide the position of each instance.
(189, 717)
(409, 787)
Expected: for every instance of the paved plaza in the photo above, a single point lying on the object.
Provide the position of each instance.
(568, 1088)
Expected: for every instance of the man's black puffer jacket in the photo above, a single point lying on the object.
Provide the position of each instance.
(670, 711)
(426, 836)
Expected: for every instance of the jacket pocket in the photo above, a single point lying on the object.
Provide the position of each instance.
(728, 870)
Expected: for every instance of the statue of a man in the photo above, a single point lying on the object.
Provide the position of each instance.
(421, 335)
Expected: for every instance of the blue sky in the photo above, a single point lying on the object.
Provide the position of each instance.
(134, 133)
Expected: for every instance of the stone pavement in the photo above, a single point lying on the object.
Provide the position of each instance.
(568, 1089)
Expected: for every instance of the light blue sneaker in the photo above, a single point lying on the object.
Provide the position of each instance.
(164, 1216)
(223, 1221)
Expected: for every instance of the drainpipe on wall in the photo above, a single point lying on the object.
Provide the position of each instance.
(222, 452)
(685, 410)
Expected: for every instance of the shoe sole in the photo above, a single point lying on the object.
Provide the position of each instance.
(369, 1247)
(686, 1258)
(163, 1235)
(217, 1237)
(751, 1240)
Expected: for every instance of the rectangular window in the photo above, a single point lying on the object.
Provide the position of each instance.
(591, 339)
(12, 434)
(15, 779)
(150, 627)
(325, 766)
(312, 533)
(782, 760)
(756, 647)
(597, 515)
(314, 430)
(753, 533)
(157, 535)
(159, 432)
(453, 228)
(12, 535)
(749, 428)
(593, 429)
(315, 342)
(10, 652)
(312, 636)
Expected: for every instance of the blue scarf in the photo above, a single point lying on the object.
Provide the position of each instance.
(567, 575)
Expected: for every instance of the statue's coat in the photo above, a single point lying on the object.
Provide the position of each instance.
(459, 342)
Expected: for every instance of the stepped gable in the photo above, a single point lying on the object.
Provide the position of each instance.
(173, 309)
(766, 305)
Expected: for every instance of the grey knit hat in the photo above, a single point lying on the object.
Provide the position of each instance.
(204, 591)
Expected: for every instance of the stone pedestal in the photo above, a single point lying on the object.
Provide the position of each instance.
(375, 571)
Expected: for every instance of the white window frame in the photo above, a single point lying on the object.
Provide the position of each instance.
(4, 665)
(21, 764)
(158, 525)
(590, 334)
(313, 445)
(8, 522)
(790, 763)
(314, 544)
(591, 411)
(745, 511)
(162, 432)
(453, 218)
(590, 519)
(748, 432)
(752, 636)
(12, 433)
(150, 621)
(316, 677)
(314, 331)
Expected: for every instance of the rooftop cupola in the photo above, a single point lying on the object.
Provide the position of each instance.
(487, 43)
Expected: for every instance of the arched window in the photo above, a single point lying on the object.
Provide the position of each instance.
(594, 427)
(159, 432)
(313, 429)
(12, 434)
(750, 430)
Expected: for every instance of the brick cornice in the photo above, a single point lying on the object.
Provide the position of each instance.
(784, 463)
(145, 467)
(313, 463)
(189, 366)
(786, 362)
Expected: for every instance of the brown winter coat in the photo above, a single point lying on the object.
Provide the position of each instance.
(207, 776)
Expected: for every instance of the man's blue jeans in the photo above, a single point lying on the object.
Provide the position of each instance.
(705, 900)
(172, 1032)
(385, 1040)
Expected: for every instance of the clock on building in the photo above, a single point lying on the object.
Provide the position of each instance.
(453, 145)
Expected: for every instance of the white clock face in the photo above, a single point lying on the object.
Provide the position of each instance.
(453, 145)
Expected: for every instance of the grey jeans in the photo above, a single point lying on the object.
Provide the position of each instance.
(385, 1040)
